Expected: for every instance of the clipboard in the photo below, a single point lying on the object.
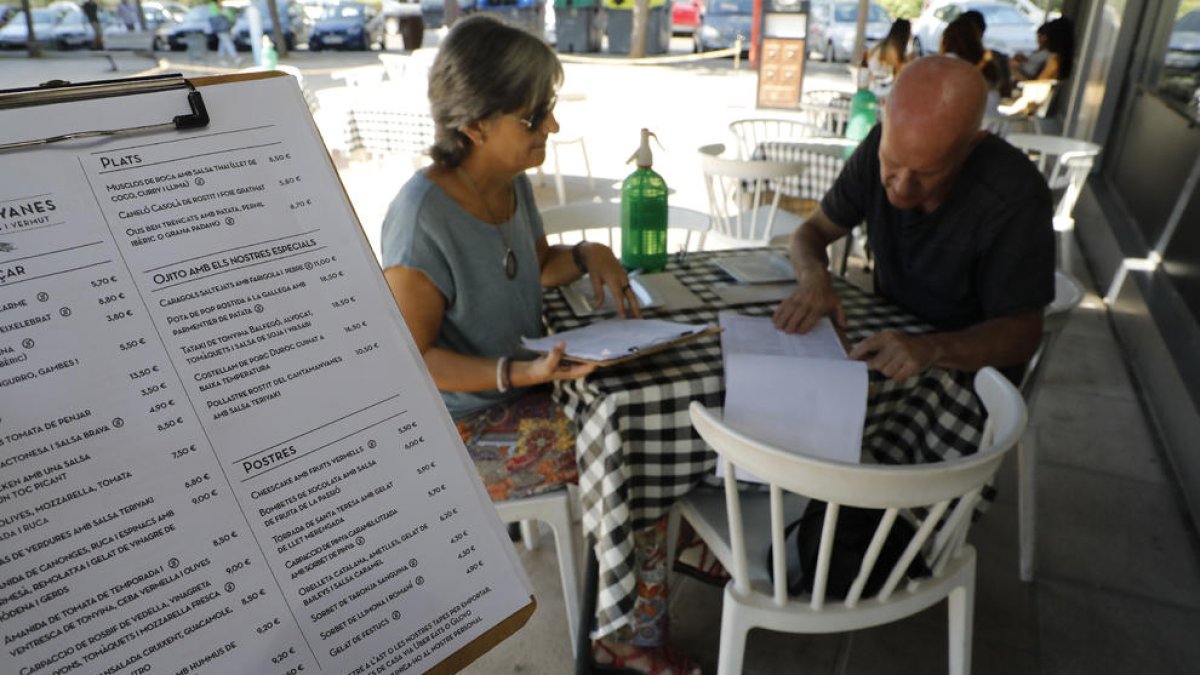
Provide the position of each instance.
(194, 117)
(631, 352)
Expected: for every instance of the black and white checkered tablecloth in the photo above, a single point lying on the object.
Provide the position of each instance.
(637, 450)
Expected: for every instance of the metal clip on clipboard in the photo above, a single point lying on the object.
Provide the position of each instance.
(58, 91)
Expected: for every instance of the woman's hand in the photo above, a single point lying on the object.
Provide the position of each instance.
(548, 368)
(605, 270)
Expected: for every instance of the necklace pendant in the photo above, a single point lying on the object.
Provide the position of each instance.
(510, 264)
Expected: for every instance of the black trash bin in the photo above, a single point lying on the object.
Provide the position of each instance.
(578, 26)
(527, 14)
(619, 19)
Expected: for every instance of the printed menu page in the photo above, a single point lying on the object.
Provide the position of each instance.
(220, 451)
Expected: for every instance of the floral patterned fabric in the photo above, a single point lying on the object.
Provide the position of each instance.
(525, 447)
(522, 447)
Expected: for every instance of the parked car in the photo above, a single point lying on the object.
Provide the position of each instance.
(350, 25)
(1008, 29)
(1183, 50)
(175, 35)
(685, 16)
(296, 24)
(74, 32)
(721, 23)
(15, 34)
(832, 27)
(7, 12)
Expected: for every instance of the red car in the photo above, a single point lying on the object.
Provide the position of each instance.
(685, 16)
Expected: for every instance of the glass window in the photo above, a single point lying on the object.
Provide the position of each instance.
(1180, 80)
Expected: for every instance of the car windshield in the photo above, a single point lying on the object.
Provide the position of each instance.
(73, 18)
(846, 12)
(197, 14)
(39, 16)
(1190, 21)
(1000, 15)
(344, 12)
(731, 6)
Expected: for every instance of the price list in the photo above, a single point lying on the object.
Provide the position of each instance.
(219, 450)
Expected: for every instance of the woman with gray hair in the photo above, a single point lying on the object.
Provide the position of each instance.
(466, 258)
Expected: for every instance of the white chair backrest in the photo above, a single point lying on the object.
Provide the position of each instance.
(361, 76)
(743, 195)
(753, 132)
(1068, 293)
(1065, 162)
(937, 498)
(605, 217)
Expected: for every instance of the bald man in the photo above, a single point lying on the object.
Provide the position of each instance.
(958, 220)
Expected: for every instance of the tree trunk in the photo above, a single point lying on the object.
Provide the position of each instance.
(449, 12)
(281, 47)
(30, 40)
(141, 22)
(637, 37)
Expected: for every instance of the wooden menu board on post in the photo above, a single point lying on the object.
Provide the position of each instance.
(220, 450)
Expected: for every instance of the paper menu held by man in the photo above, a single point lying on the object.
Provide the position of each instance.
(795, 392)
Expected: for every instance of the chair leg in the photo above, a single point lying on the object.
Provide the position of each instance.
(587, 166)
(559, 186)
(961, 606)
(672, 537)
(568, 568)
(733, 638)
(530, 534)
(1026, 502)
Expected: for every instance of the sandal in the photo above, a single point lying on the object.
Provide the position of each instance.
(656, 660)
(696, 560)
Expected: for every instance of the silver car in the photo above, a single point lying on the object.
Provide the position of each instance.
(1009, 30)
(832, 27)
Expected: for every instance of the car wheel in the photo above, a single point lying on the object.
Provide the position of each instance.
(830, 52)
(314, 46)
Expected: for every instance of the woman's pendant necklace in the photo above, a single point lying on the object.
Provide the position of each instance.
(510, 258)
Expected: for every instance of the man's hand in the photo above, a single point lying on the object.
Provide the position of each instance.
(896, 355)
(813, 298)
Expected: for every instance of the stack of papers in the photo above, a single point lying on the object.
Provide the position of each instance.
(795, 392)
(653, 291)
(616, 340)
(759, 267)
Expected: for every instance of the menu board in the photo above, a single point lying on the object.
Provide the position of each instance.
(220, 451)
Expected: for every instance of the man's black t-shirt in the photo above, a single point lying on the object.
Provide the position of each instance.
(986, 252)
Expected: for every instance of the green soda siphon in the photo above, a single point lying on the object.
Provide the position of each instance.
(644, 214)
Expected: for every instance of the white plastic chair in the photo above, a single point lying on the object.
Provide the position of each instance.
(938, 498)
(585, 217)
(1068, 293)
(571, 128)
(743, 197)
(1066, 163)
(753, 132)
(556, 509)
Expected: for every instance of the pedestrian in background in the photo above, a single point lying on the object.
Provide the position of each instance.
(92, 13)
(127, 12)
(220, 20)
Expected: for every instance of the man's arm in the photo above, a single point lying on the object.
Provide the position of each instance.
(1002, 342)
(814, 296)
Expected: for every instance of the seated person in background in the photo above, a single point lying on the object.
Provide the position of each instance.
(960, 225)
(1053, 59)
(466, 258)
(885, 60)
(962, 39)
(1000, 59)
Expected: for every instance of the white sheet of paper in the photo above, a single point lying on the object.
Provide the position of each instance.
(810, 406)
(758, 335)
(614, 338)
